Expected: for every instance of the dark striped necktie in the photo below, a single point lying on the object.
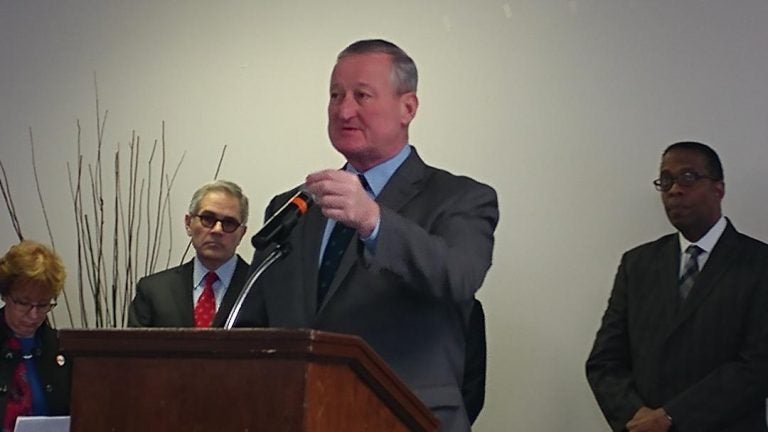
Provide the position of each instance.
(690, 270)
(334, 251)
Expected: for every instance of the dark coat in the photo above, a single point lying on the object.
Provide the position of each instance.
(164, 299)
(55, 378)
(705, 362)
(411, 300)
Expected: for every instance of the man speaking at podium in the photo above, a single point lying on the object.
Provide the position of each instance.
(393, 250)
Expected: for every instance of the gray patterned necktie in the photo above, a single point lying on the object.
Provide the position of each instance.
(690, 271)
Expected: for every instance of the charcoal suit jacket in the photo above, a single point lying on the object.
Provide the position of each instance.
(164, 299)
(704, 359)
(411, 299)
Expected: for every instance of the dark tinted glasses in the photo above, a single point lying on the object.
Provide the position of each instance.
(209, 220)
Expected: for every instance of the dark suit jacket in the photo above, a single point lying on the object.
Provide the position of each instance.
(54, 377)
(410, 300)
(473, 386)
(164, 299)
(705, 361)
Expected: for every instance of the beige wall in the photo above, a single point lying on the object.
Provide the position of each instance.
(562, 106)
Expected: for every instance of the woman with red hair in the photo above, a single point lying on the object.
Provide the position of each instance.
(34, 377)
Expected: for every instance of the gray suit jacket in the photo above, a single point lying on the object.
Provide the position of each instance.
(164, 299)
(705, 361)
(411, 299)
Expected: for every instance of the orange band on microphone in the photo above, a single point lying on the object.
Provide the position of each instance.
(300, 203)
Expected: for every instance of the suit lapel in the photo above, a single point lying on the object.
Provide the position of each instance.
(181, 291)
(399, 190)
(312, 235)
(404, 184)
(233, 290)
(667, 295)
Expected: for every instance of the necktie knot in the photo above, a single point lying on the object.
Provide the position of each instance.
(210, 279)
(693, 251)
(365, 183)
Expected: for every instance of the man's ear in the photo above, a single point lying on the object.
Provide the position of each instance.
(409, 104)
(720, 188)
(187, 221)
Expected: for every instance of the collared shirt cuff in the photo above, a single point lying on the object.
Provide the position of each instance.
(370, 241)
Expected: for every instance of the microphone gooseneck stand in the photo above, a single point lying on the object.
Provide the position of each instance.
(281, 250)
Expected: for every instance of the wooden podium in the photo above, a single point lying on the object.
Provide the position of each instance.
(234, 380)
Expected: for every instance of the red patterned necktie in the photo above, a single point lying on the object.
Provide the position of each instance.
(205, 309)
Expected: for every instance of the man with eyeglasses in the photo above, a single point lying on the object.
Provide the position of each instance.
(683, 344)
(201, 292)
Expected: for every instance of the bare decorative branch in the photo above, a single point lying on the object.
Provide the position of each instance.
(114, 229)
(5, 187)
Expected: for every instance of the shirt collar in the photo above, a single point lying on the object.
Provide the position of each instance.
(224, 272)
(379, 175)
(708, 241)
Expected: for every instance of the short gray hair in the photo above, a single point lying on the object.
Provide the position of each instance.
(405, 77)
(225, 186)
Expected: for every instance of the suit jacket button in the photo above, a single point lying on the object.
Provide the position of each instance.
(48, 388)
(8, 355)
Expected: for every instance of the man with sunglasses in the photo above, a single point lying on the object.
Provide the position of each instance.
(683, 344)
(201, 292)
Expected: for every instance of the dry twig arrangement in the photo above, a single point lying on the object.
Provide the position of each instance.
(120, 233)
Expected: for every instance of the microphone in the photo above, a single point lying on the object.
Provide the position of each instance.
(277, 228)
